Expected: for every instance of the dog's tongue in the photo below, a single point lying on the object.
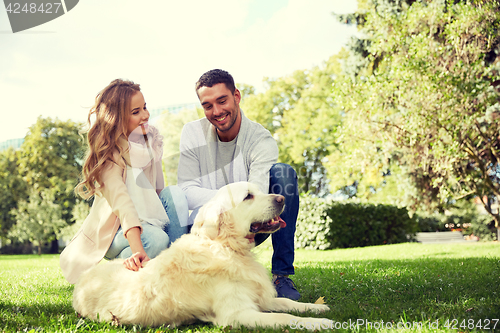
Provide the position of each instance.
(282, 223)
(251, 238)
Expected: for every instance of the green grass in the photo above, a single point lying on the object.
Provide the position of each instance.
(412, 284)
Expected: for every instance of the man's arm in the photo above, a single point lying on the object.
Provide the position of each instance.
(262, 157)
(189, 171)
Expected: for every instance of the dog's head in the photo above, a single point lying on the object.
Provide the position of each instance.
(239, 211)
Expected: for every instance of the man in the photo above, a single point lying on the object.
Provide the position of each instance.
(226, 147)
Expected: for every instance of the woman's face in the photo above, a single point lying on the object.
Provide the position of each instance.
(139, 116)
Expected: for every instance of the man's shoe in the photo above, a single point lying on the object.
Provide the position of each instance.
(286, 288)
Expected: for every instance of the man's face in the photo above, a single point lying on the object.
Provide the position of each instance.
(222, 109)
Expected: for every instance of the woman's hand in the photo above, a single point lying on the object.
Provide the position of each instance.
(139, 256)
(136, 261)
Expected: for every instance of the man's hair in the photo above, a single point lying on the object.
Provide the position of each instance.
(216, 76)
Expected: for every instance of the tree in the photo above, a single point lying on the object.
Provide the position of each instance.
(38, 220)
(51, 158)
(12, 189)
(300, 113)
(170, 126)
(80, 212)
(429, 101)
(360, 166)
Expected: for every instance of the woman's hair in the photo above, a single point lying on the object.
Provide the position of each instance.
(111, 110)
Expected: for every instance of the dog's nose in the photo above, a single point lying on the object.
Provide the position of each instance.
(279, 199)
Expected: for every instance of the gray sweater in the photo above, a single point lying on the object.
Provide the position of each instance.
(256, 151)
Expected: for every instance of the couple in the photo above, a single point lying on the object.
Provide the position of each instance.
(133, 216)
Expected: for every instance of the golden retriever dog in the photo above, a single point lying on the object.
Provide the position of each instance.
(209, 275)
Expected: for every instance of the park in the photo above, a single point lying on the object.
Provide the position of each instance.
(409, 286)
(396, 143)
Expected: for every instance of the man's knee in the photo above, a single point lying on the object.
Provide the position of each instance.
(165, 194)
(283, 180)
(282, 170)
(170, 191)
(174, 194)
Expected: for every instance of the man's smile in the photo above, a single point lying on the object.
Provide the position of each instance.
(221, 118)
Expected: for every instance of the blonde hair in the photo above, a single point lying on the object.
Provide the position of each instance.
(111, 110)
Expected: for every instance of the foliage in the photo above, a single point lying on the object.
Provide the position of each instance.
(396, 283)
(48, 163)
(80, 212)
(313, 224)
(51, 158)
(325, 224)
(38, 220)
(170, 126)
(246, 90)
(12, 189)
(484, 229)
(428, 99)
(463, 216)
(298, 110)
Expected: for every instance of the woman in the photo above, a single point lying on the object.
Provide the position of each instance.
(133, 216)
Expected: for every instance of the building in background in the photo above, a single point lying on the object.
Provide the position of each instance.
(14, 143)
(174, 109)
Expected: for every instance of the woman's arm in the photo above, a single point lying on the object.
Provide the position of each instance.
(139, 255)
(116, 193)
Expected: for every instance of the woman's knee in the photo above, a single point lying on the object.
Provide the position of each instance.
(155, 242)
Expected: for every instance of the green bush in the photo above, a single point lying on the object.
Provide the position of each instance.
(484, 228)
(324, 224)
(430, 222)
(313, 224)
(463, 217)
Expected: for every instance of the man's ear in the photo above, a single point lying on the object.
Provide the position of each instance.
(237, 96)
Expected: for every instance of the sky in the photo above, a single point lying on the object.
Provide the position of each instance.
(56, 69)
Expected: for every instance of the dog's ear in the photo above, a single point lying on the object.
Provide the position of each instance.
(206, 222)
(226, 226)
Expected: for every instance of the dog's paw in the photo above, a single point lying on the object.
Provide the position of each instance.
(319, 308)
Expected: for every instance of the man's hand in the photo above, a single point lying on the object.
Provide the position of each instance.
(136, 261)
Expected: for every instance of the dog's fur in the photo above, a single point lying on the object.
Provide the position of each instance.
(209, 275)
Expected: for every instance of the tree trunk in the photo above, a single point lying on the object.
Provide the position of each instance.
(54, 247)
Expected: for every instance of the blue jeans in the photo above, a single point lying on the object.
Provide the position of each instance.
(155, 239)
(283, 180)
(176, 205)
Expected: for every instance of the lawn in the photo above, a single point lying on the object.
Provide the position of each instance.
(418, 287)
